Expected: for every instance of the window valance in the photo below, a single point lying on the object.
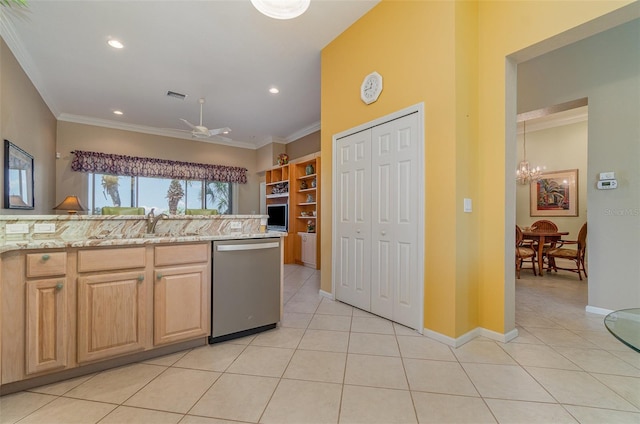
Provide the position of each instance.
(132, 166)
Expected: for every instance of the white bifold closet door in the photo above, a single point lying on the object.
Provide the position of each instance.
(377, 221)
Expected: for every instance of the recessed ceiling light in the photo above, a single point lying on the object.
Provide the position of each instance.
(118, 112)
(115, 44)
(281, 9)
(274, 90)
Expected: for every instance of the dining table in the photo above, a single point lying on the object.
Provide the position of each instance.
(542, 237)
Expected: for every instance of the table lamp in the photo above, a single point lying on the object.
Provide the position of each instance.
(71, 204)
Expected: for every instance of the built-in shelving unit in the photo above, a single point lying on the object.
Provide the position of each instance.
(305, 208)
(297, 184)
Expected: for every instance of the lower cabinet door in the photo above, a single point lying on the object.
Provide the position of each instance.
(111, 315)
(181, 299)
(46, 325)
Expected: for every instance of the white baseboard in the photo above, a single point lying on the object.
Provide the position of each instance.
(326, 294)
(598, 311)
(476, 332)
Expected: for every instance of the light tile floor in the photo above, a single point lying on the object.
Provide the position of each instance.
(330, 363)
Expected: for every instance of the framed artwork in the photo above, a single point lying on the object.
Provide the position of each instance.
(18, 177)
(555, 194)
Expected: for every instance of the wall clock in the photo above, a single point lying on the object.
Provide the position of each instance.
(371, 88)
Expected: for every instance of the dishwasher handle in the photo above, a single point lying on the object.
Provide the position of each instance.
(252, 246)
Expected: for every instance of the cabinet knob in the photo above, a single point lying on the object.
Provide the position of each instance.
(384, 233)
(140, 278)
(59, 286)
(45, 257)
(358, 231)
(159, 276)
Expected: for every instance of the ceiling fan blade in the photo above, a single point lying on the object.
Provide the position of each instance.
(217, 131)
(188, 123)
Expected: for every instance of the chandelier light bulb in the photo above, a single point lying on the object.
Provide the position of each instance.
(526, 174)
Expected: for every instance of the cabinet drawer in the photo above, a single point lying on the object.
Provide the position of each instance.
(46, 264)
(178, 254)
(111, 259)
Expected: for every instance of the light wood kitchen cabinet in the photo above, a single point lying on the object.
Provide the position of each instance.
(111, 305)
(47, 326)
(181, 293)
(37, 327)
(85, 306)
(308, 249)
(111, 315)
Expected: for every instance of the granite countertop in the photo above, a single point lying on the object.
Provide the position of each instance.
(9, 245)
(29, 232)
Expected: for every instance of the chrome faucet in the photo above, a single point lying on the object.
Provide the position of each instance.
(152, 220)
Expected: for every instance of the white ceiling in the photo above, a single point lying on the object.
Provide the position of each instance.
(222, 50)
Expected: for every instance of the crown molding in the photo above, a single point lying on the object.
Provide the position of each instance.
(270, 140)
(79, 119)
(7, 31)
(581, 115)
(304, 132)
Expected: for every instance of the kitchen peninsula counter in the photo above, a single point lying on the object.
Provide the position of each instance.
(65, 282)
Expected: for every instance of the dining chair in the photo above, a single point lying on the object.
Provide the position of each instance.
(576, 255)
(122, 210)
(201, 212)
(524, 251)
(544, 225)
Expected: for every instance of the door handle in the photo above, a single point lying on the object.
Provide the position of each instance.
(255, 246)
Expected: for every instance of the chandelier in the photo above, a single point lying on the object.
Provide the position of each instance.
(526, 174)
(281, 9)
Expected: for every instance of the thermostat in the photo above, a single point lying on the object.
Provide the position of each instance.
(607, 184)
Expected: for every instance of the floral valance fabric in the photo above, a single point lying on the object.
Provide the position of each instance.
(105, 163)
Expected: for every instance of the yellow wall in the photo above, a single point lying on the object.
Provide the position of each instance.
(451, 56)
(505, 27)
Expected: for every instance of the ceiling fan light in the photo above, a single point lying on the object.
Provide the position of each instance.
(281, 9)
(116, 44)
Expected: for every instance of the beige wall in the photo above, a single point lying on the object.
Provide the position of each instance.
(26, 121)
(558, 149)
(73, 136)
(304, 146)
(267, 156)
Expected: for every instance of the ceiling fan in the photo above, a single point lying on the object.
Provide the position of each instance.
(200, 131)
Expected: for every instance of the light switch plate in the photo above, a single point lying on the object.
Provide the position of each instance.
(16, 228)
(467, 205)
(236, 225)
(44, 228)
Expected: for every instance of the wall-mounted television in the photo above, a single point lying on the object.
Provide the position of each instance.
(278, 217)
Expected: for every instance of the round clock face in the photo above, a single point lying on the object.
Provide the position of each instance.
(371, 88)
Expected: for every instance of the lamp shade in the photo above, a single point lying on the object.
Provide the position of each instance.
(71, 204)
(281, 9)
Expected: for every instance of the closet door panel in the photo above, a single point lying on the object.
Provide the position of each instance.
(395, 171)
(353, 268)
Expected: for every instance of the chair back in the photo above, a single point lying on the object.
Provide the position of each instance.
(201, 212)
(544, 225)
(519, 236)
(582, 239)
(118, 210)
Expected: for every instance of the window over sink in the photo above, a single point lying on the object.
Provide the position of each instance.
(166, 195)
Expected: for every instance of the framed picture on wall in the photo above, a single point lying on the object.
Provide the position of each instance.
(18, 177)
(555, 194)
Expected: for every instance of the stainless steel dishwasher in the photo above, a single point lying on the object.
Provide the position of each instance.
(245, 295)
